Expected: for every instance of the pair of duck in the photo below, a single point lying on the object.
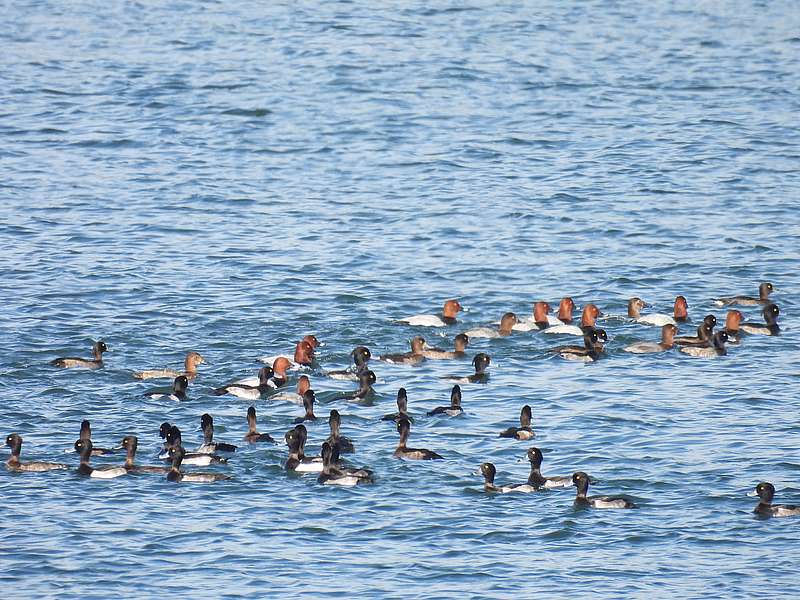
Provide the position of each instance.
(328, 465)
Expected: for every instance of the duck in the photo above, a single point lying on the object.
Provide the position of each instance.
(308, 403)
(524, 431)
(163, 432)
(680, 310)
(402, 408)
(177, 393)
(366, 379)
(190, 364)
(303, 355)
(252, 435)
(481, 362)
(540, 320)
(332, 474)
(637, 304)
(455, 404)
(732, 321)
(175, 474)
(403, 451)
(507, 323)
(344, 445)
(667, 342)
(764, 290)
(297, 460)
(209, 446)
(408, 358)
(130, 443)
(765, 508)
(245, 389)
(190, 458)
(448, 317)
(13, 463)
(360, 356)
(84, 448)
(770, 312)
(86, 363)
(716, 348)
(581, 481)
(303, 384)
(588, 319)
(537, 480)
(705, 331)
(460, 343)
(592, 349)
(489, 471)
(86, 434)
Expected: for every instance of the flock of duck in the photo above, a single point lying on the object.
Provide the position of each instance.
(272, 383)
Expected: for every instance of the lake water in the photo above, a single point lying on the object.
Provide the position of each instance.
(228, 177)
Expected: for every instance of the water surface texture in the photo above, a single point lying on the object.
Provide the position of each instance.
(228, 176)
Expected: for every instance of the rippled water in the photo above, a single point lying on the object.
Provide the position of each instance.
(227, 177)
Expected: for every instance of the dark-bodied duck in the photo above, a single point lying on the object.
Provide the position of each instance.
(460, 343)
(541, 319)
(507, 323)
(592, 349)
(96, 362)
(537, 480)
(455, 404)
(308, 403)
(190, 458)
(366, 379)
(766, 492)
(190, 364)
(732, 321)
(332, 474)
(175, 474)
(343, 444)
(402, 408)
(481, 362)
(252, 435)
(403, 451)
(705, 331)
(130, 443)
(84, 448)
(86, 434)
(770, 327)
(588, 319)
(716, 348)
(667, 342)
(297, 460)
(360, 356)
(524, 431)
(245, 389)
(764, 290)
(408, 358)
(176, 393)
(581, 481)
(209, 446)
(448, 317)
(13, 463)
(489, 471)
(635, 305)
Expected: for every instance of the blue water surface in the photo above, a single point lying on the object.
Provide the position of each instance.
(227, 177)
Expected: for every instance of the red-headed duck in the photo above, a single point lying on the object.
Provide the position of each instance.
(448, 317)
(716, 348)
(667, 342)
(732, 322)
(705, 331)
(680, 311)
(764, 290)
(303, 384)
(588, 319)
(635, 305)
(460, 343)
(507, 323)
(190, 364)
(86, 363)
(541, 319)
(408, 358)
(770, 312)
(13, 463)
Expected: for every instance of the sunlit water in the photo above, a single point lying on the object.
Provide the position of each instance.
(227, 177)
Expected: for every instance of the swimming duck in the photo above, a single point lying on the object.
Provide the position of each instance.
(680, 310)
(506, 326)
(764, 290)
(637, 304)
(541, 319)
(84, 448)
(705, 331)
(87, 363)
(245, 389)
(402, 451)
(765, 492)
(130, 443)
(190, 458)
(209, 446)
(177, 393)
(716, 348)
(332, 474)
(408, 358)
(366, 379)
(455, 404)
(524, 431)
(190, 364)
(361, 356)
(581, 481)
(732, 322)
(297, 460)
(460, 343)
(588, 319)
(344, 445)
(86, 434)
(481, 362)
(303, 354)
(489, 471)
(175, 473)
(667, 342)
(770, 312)
(13, 463)
(308, 403)
(252, 434)
(537, 480)
(303, 384)
(402, 408)
(593, 347)
(448, 316)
